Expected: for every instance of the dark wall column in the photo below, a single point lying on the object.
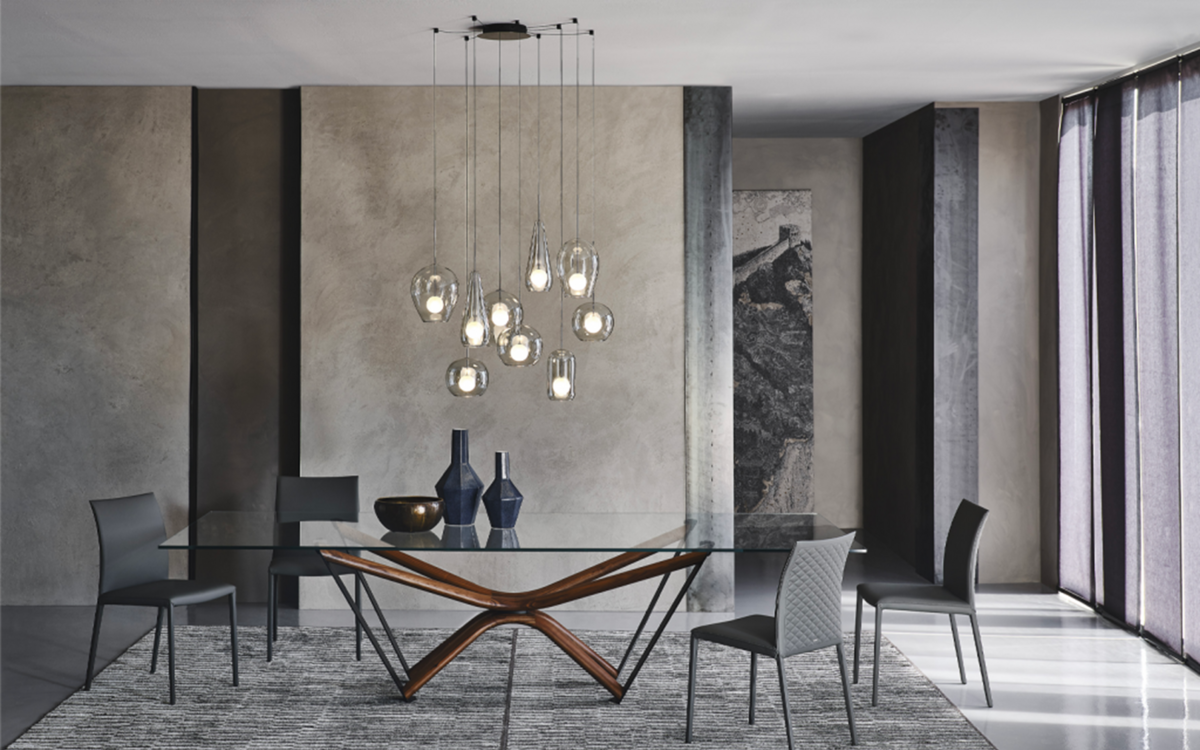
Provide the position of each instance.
(1051, 113)
(708, 324)
(247, 251)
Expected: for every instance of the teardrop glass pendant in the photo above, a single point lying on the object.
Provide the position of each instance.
(592, 321)
(560, 370)
(520, 346)
(577, 268)
(475, 331)
(504, 311)
(538, 273)
(434, 292)
(467, 377)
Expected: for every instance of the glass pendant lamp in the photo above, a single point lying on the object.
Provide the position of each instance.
(577, 268)
(476, 329)
(467, 377)
(538, 272)
(520, 346)
(592, 321)
(560, 385)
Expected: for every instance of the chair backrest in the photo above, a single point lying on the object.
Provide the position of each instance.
(316, 499)
(962, 551)
(808, 606)
(130, 530)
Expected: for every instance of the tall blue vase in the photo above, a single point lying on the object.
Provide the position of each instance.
(502, 499)
(460, 487)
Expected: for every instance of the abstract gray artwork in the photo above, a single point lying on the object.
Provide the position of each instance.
(772, 351)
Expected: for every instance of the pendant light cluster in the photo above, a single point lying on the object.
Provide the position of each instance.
(498, 318)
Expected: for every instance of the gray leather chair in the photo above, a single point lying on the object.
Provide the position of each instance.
(133, 572)
(310, 499)
(956, 595)
(808, 616)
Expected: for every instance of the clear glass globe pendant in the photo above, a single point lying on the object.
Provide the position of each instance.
(538, 273)
(520, 346)
(467, 377)
(560, 371)
(475, 331)
(434, 292)
(577, 268)
(504, 311)
(592, 321)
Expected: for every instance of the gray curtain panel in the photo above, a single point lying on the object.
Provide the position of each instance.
(1155, 219)
(1189, 344)
(1074, 346)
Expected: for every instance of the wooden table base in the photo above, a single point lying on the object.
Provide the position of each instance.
(521, 608)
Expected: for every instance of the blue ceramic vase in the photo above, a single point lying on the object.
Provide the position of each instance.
(460, 487)
(502, 499)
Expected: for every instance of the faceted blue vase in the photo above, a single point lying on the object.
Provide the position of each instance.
(502, 499)
(460, 486)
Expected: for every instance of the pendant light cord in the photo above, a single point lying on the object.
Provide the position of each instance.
(500, 169)
(592, 34)
(466, 167)
(561, 175)
(475, 152)
(577, 129)
(520, 160)
(435, 169)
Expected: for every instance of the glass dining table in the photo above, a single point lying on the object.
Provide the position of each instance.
(630, 538)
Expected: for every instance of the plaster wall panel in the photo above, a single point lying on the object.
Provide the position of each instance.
(832, 169)
(373, 398)
(96, 332)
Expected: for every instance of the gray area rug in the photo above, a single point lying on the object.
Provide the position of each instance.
(511, 689)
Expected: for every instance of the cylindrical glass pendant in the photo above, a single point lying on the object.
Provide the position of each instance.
(434, 292)
(560, 369)
(467, 377)
(504, 311)
(520, 346)
(592, 321)
(577, 268)
(538, 273)
(475, 331)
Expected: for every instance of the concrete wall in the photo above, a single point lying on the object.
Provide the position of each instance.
(374, 401)
(832, 169)
(96, 323)
(1009, 362)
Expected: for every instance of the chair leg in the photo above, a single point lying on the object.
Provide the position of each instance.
(171, 648)
(357, 624)
(987, 688)
(753, 682)
(787, 712)
(846, 693)
(157, 640)
(875, 666)
(962, 671)
(87, 685)
(233, 634)
(857, 634)
(270, 613)
(691, 697)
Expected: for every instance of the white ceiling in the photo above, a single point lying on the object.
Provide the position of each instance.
(797, 68)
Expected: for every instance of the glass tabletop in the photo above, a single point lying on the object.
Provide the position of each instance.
(534, 532)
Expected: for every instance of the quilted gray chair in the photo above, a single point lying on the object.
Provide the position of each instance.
(310, 499)
(808, 617)
(956, 595)
(133, 572)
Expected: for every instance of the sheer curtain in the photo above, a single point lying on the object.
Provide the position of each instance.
(1129, 352)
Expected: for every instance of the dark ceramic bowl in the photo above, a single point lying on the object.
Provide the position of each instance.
(410, 513)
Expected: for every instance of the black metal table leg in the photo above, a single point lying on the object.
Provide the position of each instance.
(387, 628)
(370, 634)
(662, 584)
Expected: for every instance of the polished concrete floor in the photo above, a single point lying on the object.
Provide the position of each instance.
(1061, 677)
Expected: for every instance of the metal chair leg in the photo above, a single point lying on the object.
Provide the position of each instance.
(233, 634)
(753, 682)
(691, 698)
(857, 634)
(962, 671)
(157, 640)
(171, 648)
(357, 626)
(987, 688)
(846, 693)
(270, 614)
(875, 666)
(787, 712)
(87, 685)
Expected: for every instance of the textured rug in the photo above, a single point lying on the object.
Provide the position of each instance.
(511, 689)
